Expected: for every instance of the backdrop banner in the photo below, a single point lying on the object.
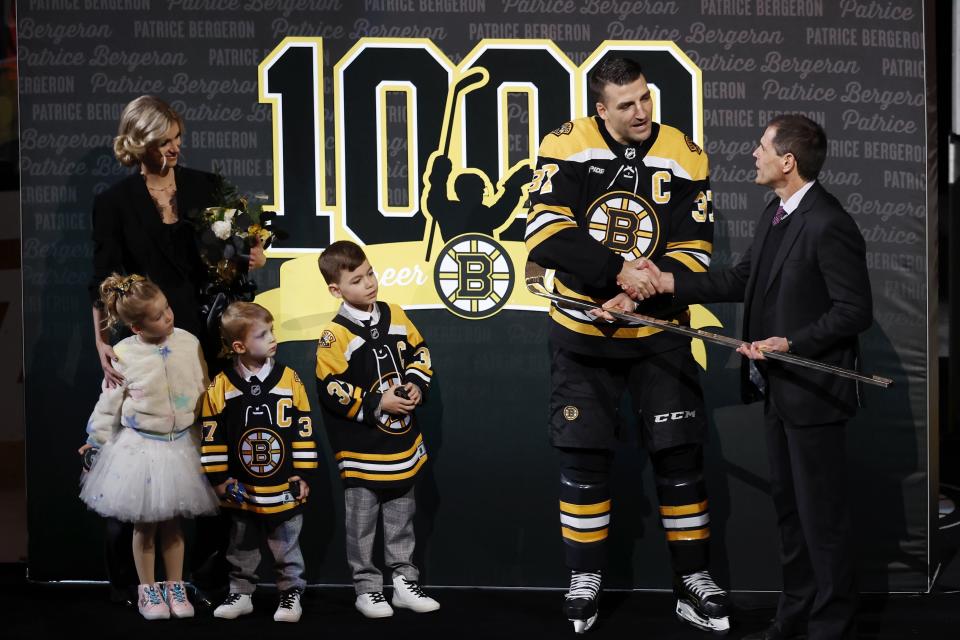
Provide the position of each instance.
(338, 110)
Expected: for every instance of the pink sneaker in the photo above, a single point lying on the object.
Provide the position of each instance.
(176, 594)
(150, 602)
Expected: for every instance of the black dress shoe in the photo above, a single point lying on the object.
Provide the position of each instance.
(773, 632)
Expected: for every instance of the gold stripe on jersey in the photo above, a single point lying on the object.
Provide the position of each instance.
(686, 260)
(305, 455)
(213, 448)
(215, 468)
(386, 477)
(275, 488)
(390, 467)
(694, 245)
(382, 457)
(673, 148)
(357, 395)
(538, 231)
(582, 138)
(331, 350)
(214, 400)
(576, 325)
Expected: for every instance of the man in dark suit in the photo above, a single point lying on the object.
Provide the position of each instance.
(806, 290)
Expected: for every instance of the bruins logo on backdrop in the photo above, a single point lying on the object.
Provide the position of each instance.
(261, 452)
(474, 276)
(624, 222)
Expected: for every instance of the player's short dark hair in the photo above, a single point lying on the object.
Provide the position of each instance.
(618, 71)
(804, 139)
(342, 255)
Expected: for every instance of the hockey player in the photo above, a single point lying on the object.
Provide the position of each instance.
(608, 190)
(373, 369)
(258, 451)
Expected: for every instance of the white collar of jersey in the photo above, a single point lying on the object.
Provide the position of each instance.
(361, 316)
(261, 374)
(794, 201)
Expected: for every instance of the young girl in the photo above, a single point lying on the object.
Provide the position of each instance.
(148, 471)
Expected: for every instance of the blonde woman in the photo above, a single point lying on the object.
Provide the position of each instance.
(139, 223)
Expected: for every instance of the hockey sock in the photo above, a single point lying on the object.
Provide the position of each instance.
(585, 507)
(683, 506)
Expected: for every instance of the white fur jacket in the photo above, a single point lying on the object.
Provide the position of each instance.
(163, 384)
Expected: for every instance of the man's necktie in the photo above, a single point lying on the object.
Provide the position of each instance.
(780, 215)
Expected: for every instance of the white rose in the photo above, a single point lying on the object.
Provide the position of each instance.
(228, 214)
(221, 229)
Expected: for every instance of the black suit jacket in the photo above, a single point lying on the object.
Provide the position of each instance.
(129, 237)
(821, 303)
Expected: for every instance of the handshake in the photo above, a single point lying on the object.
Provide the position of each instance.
(641, 279)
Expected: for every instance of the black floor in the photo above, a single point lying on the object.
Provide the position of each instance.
(82, 611)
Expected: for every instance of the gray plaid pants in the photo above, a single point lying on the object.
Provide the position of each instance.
(363, 506)
(243, 553)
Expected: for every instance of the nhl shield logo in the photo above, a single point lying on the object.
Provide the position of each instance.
(630, 153)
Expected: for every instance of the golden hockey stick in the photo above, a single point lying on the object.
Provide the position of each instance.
(536, 286)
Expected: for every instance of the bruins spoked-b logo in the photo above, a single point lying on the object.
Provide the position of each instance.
(624, 222)
(474, 276)
(261, 451)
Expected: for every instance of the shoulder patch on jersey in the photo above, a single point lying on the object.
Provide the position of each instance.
(327, 339)
(692, 145)
(563, 130)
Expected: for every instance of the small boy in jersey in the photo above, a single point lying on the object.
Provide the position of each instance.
(373, 369)
(257, 452)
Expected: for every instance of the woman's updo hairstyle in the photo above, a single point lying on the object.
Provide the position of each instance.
(125, 299)
(143, 123)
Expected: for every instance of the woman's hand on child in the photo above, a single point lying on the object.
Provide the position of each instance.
(396, 405)
(107, 357)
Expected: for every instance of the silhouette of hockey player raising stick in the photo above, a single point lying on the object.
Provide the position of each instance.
(473, 210)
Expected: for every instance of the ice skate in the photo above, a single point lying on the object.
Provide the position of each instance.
(582, 599)
(702, 603)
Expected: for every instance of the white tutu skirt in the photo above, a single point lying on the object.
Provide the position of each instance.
(138, 479)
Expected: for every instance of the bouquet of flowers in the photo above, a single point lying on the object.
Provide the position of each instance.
(226, 234)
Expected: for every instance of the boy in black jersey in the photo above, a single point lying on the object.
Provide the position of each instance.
(373, 369)
(257, 447)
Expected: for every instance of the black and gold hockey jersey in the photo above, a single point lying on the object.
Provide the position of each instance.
(594, 203)
(356, 363)
(261, 434)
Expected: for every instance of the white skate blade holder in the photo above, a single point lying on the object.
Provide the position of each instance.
(582, 626)
(688, 613)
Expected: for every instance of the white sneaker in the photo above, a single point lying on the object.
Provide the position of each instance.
(408, 595)
(234, 606)
(289, 608)
(373, 605)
